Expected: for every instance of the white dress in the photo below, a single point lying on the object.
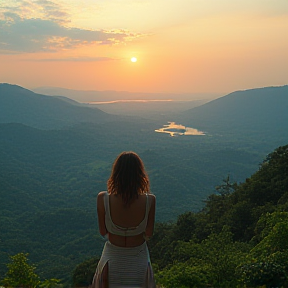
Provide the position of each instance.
(127, 266)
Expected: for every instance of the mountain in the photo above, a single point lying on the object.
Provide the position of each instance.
(262, 110)
(19, 105)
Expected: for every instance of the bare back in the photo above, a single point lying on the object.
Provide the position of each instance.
(127, 217)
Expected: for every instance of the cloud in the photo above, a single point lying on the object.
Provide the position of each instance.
(53, 11)
(42, 9)
(76, 59)
(48, 32)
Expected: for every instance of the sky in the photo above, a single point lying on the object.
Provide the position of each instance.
(183, 46)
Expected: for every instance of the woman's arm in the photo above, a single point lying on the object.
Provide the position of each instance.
(151, 217)
(101, 213)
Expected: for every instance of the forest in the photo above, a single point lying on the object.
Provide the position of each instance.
(51, 179)
(238, 239)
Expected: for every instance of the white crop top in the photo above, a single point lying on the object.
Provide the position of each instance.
(124, 231)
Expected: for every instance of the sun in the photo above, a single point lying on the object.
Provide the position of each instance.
(133, 59)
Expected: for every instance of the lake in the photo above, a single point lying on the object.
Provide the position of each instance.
(179, 130)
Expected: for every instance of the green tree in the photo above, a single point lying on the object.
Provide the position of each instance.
(161, 245)
(267, 262)
(84, 272)
(217, 205)
(185, 226)
(267, 222)
(221, 256)
(274, 235)
(213, 261)
(227, 187)
(182, 275)
(51, 283)
(263, 273)
(20, 273)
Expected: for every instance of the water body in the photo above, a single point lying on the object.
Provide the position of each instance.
(128, 101)
(179, 130)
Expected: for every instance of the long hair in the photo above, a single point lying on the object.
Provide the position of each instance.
(128, 177)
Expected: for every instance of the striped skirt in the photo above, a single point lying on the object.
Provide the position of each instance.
(127, 267)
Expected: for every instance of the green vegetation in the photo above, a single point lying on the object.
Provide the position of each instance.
(49, 180)
(239, 239)
(84, 272)
(22, 274)
(206, 249)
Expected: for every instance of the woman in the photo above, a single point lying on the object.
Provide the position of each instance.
(126, 215)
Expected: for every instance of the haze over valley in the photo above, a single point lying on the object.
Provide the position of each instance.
(154, 105)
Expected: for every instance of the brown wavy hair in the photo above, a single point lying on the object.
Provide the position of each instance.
(128, 177)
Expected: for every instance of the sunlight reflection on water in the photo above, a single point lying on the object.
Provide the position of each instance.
(178, 130)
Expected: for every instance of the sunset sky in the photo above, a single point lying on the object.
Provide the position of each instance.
(183, 46)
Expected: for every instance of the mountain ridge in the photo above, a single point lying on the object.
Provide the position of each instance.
(21, 105)
(248, 109)
(110, 95)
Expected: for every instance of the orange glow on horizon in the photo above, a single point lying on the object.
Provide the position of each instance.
(239, 46)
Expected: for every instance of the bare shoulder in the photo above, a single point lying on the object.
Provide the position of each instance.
(100, 200)
(100, 196)
(152, 198)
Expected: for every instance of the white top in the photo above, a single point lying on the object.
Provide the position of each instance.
(124, 231)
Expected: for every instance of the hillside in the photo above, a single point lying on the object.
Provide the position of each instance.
(49, 177)
(260, 111)
(19, 105)
(239, 239)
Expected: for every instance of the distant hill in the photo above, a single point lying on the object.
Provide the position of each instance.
(19, 105)
(262, 110)
(110, 95)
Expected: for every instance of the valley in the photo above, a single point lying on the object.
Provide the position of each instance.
(50, 177)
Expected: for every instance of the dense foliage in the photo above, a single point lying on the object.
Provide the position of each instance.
(22, 274)
(205, 249)
(84, 272)
(239, 238)
(50, 179)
